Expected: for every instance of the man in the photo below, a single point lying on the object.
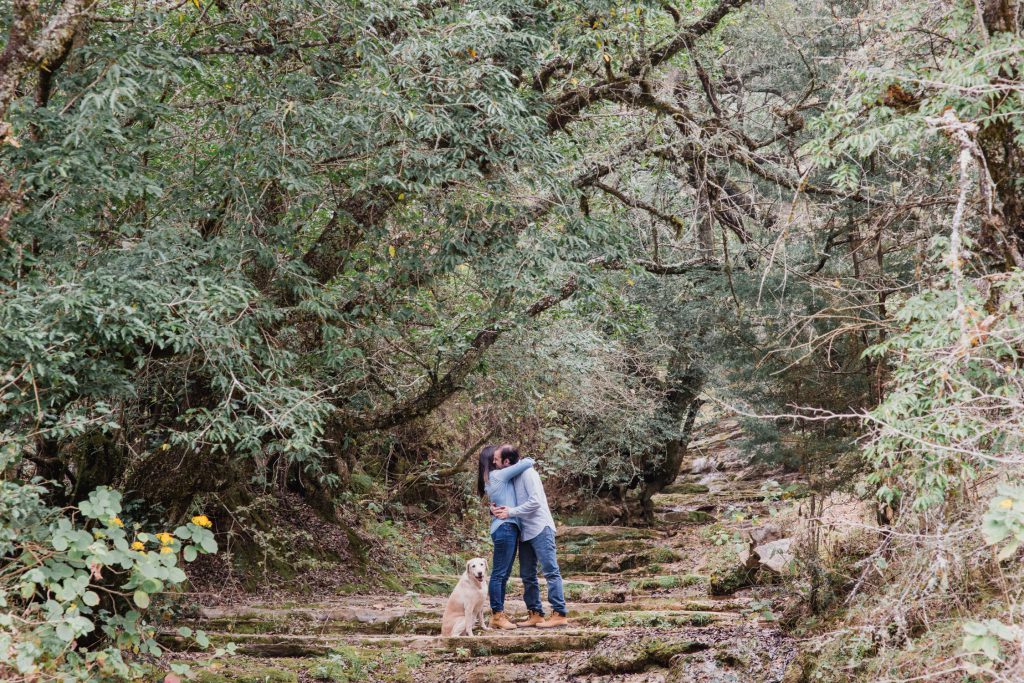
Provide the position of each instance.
(536, 542)
(496, 483)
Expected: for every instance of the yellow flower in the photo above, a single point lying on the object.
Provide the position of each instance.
(1006, 504)
(165, 538)
(165, 447)
(164, 550)
(202, 520)
(138, 545)
(115, 521)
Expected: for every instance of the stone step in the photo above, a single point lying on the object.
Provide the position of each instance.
(694, 517)
(598, 559)
(719, 499)
(335, 620)
(682, 486)
(606, 547)
(604, 533)
(654, 618)
(483, 644)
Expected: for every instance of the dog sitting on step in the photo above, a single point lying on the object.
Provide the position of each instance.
(465, 608)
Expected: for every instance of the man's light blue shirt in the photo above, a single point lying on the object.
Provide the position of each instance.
(532, 508)
(500, 490)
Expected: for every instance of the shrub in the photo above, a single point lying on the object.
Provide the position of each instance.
(76, 584)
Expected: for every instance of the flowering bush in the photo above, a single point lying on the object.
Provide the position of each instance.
(75, 585)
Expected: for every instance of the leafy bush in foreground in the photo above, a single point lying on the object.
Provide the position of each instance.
(75, 585)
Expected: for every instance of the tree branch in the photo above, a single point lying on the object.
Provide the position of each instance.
(673, 222)
(654, 268)
(566, 108)
(441, 389)
(26, 51)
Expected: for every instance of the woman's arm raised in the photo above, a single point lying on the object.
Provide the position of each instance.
(511, 472)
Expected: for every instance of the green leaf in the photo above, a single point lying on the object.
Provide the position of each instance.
(190, 553)
(141, 599)
(90, 598)
(65, 632)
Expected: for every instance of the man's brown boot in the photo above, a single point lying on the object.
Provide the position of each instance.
(499, 620)
(554, 620)
(532, 619)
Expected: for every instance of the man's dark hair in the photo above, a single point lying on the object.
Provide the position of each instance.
(510, 453)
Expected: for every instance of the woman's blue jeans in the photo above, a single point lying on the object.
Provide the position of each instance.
(506, 541)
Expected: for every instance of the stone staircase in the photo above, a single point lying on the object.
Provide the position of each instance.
(639, 603)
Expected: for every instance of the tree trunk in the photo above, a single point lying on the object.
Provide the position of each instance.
(685, 382)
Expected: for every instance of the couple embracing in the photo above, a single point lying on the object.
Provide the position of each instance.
(520, 521)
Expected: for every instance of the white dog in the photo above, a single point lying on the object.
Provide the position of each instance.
(466, 604)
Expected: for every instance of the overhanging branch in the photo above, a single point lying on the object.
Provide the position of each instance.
(684, 268)
(441, 389)
(567, 108)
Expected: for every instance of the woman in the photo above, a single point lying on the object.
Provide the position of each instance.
(496, 482)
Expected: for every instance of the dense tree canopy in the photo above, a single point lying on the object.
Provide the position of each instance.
(264, 230)
(250, 244)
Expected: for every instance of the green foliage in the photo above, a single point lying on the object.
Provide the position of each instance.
(985, 638)
(1004, 520)
(67, 581)
(950, 411)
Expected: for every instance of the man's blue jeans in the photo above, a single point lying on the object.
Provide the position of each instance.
(541, 548)
(506, 539)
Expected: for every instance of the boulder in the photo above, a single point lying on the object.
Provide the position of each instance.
(776, 555)
(703, 465)
(754, 537)
(765, 533)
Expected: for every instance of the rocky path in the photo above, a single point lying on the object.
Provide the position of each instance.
(641, 609)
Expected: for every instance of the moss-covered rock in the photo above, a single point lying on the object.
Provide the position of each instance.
(604, 533)
(491, 673)
(668, 582)
(638, 656)
(647, 618)
(688, 517)
(685, 488)
(602, 559)
(249, 674)
(727, 582)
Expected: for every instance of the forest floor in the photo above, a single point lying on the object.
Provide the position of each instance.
(640, 601)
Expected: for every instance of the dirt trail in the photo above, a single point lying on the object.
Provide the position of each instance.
(640, 603)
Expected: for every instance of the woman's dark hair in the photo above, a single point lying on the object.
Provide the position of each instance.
(484, 467)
